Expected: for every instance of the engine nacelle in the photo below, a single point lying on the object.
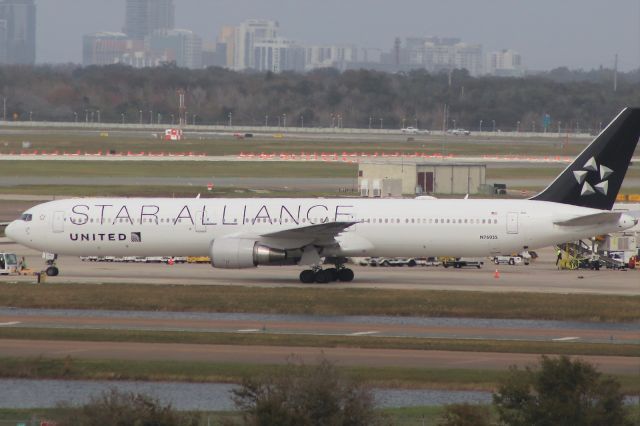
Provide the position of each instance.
(238, 253)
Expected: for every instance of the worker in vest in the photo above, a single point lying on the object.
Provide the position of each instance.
(559, 258)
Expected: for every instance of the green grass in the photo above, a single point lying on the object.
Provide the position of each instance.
(184, 169)
(182, 371)
(228, 145)
(321, 341)
(324, 301)
(161, 191)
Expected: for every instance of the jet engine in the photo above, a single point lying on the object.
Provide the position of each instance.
(238, 253)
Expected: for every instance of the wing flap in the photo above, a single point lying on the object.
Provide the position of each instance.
(591, 219)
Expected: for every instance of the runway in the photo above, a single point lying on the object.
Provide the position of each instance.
(541, 276)
(417, 328)
(279, 354)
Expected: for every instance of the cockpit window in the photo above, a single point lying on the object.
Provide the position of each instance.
(26, 217)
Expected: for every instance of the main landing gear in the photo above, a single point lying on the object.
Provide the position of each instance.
(323, 276)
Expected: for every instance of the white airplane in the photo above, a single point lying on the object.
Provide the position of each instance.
(245, 233)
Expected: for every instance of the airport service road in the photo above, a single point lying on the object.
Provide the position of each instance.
(541, 276)
(372, 326)
(279, 355)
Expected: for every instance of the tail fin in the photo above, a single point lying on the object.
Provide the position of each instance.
(595, 176)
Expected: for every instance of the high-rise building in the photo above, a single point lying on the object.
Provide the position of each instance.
(106, 48)
(143, 17)
(183, 47)
(246, 35)
(18, 32)
(505, 63)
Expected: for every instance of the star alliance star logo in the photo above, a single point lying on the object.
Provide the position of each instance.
(592, 166)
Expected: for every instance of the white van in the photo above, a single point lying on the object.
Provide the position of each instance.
(8, 263)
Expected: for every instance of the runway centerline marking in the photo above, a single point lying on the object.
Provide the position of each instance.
(3, 324)
(565, 339)
(363, 333)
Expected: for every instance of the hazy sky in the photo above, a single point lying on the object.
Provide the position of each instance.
(548, 33)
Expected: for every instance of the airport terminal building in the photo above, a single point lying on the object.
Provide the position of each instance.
(393, 178)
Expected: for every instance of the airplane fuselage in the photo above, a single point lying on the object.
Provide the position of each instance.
(382, 227)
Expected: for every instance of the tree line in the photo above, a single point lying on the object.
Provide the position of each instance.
(557, 391)
(560, 99)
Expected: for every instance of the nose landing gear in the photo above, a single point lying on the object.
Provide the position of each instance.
(51, 269)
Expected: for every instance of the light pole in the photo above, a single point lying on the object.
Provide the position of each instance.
(150, 117)
(122, 114)
(381, 124)
(284, 120)
(159, 118)
(301, 120)
(333, 121)
(140, 116)
(266, 120)
(559, 123)
(480, 126)
(186, 118)
(518, 126)
(230, 116)
(403, 121)
(99, 121)
(454, 122)
(4, 108)
(86, 116)
(494, 125)
(75, 115)
(370, 118)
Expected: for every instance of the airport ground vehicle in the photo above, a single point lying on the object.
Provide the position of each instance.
(511, 260)
(462, 262)
(8, 263)
(459, 132)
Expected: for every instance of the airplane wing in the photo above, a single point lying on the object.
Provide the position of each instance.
(592, 219)
(320, 234)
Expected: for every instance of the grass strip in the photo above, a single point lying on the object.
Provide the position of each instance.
(169, 168)
(162, 191)
(209, 372)
(304, 340)
(323, 301)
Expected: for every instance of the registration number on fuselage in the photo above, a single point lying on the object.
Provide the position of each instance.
(488, 237)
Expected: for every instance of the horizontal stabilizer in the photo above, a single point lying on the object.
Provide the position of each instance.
(592, 219)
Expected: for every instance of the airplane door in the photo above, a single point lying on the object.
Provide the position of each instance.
(58, 222)
(512, 223)
(200, 227)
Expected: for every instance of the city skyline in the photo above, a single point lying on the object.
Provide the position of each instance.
(583, 34)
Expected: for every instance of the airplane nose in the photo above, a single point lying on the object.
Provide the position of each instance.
(10, 231)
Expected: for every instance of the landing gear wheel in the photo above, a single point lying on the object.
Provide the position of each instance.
(512, 262)
(323, 277)
(307, 276)
(345, 275)
(333, 273)
(52, 271)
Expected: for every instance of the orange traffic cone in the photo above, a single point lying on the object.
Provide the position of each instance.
(496, 274)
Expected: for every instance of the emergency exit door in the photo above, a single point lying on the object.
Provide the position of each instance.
(512, 223)
(58, 222)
